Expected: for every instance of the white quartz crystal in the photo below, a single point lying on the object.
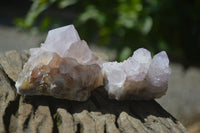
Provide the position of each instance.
(138, 77)
(63, 67)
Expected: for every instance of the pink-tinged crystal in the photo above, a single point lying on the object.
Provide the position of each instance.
(64, 67)
(138, 77)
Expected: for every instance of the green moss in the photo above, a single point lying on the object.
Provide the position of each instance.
(58, 119)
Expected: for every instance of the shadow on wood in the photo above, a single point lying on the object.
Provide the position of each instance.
(97, 114)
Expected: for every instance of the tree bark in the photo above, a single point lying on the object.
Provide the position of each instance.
(98, 114)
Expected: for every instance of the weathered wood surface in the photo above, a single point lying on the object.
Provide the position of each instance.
(97, 115)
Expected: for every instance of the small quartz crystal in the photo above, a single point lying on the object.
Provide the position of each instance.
(138, 77)
(63, 67)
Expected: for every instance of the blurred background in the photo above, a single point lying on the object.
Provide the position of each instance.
(114, 29)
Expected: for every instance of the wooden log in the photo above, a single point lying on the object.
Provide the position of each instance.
(98, 114)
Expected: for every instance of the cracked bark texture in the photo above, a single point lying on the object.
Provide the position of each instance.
(99, 114)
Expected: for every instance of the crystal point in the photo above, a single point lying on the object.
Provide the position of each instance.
(60, 39)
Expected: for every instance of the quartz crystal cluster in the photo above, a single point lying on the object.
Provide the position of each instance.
(63, 67)
(138, 77)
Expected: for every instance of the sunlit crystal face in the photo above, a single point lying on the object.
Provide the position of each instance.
(80, 51)
(142, 56)
(114, 73)
(64, 67)
(138, 64)
(59, 40)
(159, 70)
(138, 77)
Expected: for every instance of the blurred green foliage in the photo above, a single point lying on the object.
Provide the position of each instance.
(125, 25)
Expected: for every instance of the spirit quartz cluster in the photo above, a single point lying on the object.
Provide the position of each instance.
(138, 77)
(65, 67)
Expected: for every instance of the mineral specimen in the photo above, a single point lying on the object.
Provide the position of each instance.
(63, 67)
(138, 77)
